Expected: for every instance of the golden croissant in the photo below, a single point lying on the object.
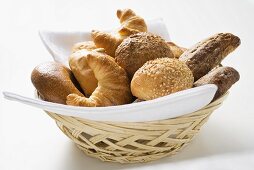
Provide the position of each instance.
(108, 41)
(130, 24)
(113, 84)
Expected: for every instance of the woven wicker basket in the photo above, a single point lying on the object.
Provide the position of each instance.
(134, 142)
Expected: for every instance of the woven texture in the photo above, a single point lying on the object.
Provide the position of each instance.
(126, 142)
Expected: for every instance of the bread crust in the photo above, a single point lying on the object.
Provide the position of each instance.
(106, 40)
(82, 72)
(139, 48)
(54, 82)
(205, 55)
(161, 77)
(130, 22)
(223, 77)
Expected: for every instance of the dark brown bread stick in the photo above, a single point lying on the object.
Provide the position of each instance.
(223, 77)
(207, 54)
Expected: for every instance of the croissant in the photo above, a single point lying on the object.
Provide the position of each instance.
(105, 40)
(113, 84)
(130, 24)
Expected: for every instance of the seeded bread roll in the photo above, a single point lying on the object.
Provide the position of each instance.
(160, 77)
(223, 77)
(139, 48)
(207, 54)
(54, 82)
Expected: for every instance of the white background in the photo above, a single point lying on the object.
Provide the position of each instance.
(29, 139)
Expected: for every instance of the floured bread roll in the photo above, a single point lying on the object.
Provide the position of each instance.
(113, 87)
(130, 24)
(139, 48)
(161, 77)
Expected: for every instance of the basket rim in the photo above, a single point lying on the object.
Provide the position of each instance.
(211, 106)
(160, 100)
(194, 99)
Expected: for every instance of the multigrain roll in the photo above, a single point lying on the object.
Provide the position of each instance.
(209, 53)
(223, 77)
(54, 82)
(139, 48)
(160, 77)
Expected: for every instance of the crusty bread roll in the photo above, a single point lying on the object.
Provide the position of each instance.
(139, 48)
(207, 54)
(223, 77)
(89, 45)
(82, 72)
(54, 82)
(160, 77)
(176, 50)
(113, 84)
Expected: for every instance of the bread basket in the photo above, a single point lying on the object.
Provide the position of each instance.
(128, 142)
(118, 141)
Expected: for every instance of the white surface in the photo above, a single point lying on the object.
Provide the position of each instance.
(59, 42)
(165, 107)
(30, 140)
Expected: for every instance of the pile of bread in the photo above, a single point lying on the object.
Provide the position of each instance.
(132, 64)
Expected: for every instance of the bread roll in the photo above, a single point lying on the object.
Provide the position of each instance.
(54, 82)
(223, 77)
(139, 48)
(82, 72)
(160, 77)
(207, 54)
